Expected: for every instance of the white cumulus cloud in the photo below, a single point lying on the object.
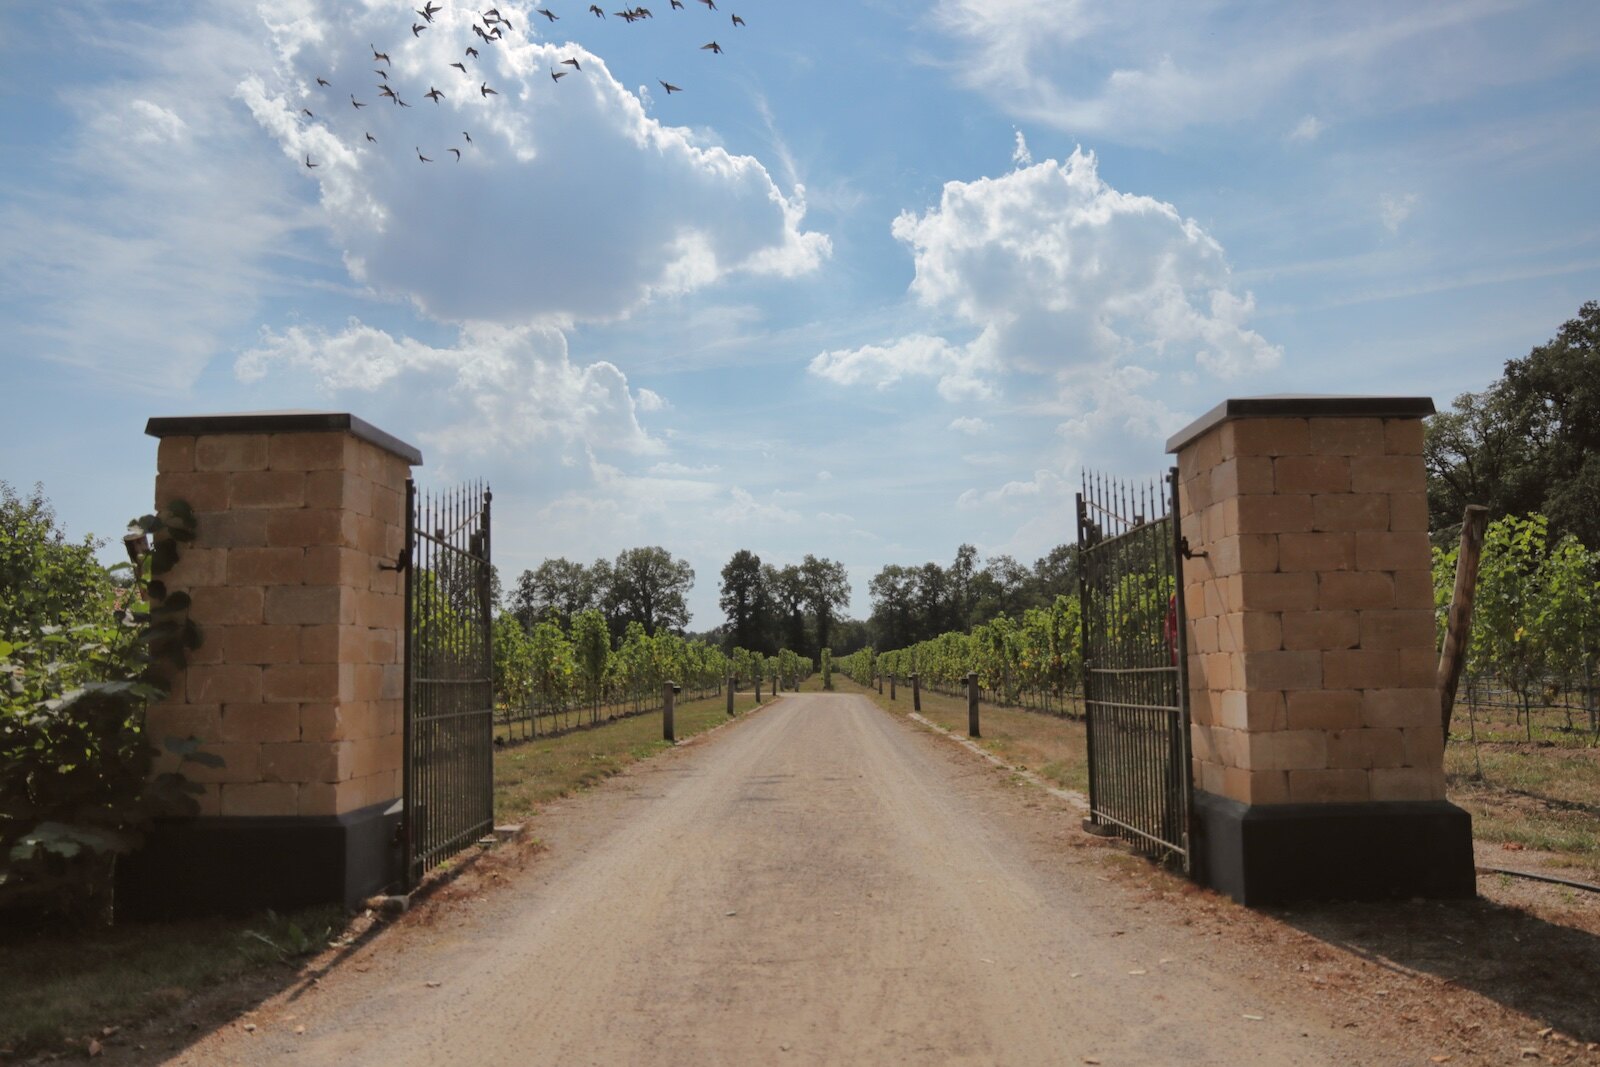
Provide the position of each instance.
(1054, 271)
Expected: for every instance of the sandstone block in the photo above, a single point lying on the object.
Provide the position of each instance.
(261, 723)
(259, 644)
(308, 761)
(1398, 707)
(175, 455)
(1277, 592)
(1311, 474)
(303, 605)
(1272, 514)
(223, 683)
(1366, 748)
(1324, 709)
(268, 489)
(201, 490)
(1377, 551)
(232, 529)
(226, 605)
(297, 682)
(1347, 437)
(1361, 668)
(1330, 786)
(1387, 474)
(260, 798)
(309, 451)
(1334, 512)
(1316, 551)
(266, 566)
(1266, 437)
(1408, 512)
(231, 452)
(1321, 630)
(1397, 629)
(306, 527)
(1359, 590)
(1287, 750)
(1403, 436)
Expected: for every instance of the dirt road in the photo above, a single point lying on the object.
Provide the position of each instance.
(821, 883)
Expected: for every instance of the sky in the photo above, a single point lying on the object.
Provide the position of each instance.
(882, 278)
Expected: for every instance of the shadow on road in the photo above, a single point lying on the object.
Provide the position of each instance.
(1533, 966)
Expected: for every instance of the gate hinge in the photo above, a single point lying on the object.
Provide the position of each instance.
(399, 564)
(1183, 546)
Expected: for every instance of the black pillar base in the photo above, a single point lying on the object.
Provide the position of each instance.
(1281, 853)
(239, 864)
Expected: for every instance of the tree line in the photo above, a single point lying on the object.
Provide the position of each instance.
(1528, 443)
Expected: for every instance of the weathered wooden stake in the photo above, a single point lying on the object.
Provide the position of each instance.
(892, 679)
(1458, 628)
(880, 685)
(972, 704)
(916, 691)
(758, 689)
(730, 694)
(669, 698)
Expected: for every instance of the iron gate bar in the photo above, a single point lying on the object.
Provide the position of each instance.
(1130, 589)
(449, 690)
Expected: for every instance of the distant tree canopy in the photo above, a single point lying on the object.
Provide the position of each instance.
(1528, 443)
(45, 579)
(917, 603)
(644, 585)
(795, 606)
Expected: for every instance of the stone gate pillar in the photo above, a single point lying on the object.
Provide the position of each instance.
(297, 686)
(1318, 757)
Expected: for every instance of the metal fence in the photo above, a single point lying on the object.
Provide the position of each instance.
(1135, 689)
(1547, 706)
(449, 690)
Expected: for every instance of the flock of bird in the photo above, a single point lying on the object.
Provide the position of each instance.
(489, 27)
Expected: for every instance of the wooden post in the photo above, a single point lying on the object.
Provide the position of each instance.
(668, 700)
(730, 694)
(916, 691)
(1458, 630)
(892, 680)
(972, 704)
(758, 687)
(880, 684)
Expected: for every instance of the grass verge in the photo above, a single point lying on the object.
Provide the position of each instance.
(62, 988)
(1052, 748)
(535, 771)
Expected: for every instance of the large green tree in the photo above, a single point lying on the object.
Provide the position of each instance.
(827, 591)
(1528, 443)
(745, 601)
(45, 579)
(559, 586)
(651, 587)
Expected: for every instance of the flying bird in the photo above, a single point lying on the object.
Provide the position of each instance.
(371, 138)
(384, 90)
(356, 103)
(433, 94)
(473, 52)
(713, 47)
(377, 55)
(486, 91)
(324, 81)
(462, 67)
(626, 16)
(457, 151)
(669, 87)
(710, 4)
(595, 10)
(309, 163)
(573, 63)
(677, 4)
(467, 135)
(737, 21)
(547, 13)
(417, 28)
(557, 75)
(401, 102)
(307, 113)
(422, 157)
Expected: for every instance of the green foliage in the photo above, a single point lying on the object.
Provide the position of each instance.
(827, 668)
(76, 788)
(46, 580)
(1039, 653)
(1536, 611)
(1530, 442)
(912, 604)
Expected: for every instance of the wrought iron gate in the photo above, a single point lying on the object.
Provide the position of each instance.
(449, 685)
(1130, 581)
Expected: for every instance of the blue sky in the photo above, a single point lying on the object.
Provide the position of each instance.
(881, 279)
